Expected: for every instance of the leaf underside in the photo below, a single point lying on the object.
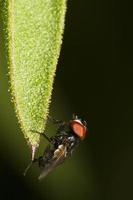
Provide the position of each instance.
(33, 33)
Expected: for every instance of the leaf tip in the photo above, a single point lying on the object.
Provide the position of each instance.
(33, 151)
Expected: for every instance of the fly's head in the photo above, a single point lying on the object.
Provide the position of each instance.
(78, 127)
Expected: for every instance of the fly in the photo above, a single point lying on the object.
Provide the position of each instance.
(68, 136)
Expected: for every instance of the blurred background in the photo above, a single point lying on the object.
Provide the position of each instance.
(94, 80)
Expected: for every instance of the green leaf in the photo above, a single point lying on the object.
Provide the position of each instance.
(33, 32)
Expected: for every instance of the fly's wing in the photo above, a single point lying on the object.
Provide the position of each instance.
(58, 157)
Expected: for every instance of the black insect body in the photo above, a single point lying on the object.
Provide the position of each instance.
(61, 145)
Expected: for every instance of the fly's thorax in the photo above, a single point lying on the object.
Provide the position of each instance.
(73, 141)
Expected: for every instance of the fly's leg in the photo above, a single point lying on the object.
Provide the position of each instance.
(56, 121)
(36, 160)
(42, 134)
(61, 124)
(30, 164)
(61, 127)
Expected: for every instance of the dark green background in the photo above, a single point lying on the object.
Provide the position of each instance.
(94, 80)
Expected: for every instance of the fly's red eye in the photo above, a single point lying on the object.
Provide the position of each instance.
(78, 128)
